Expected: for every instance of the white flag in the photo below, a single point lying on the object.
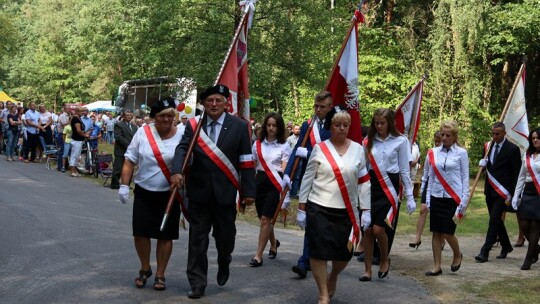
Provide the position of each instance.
(515, 118)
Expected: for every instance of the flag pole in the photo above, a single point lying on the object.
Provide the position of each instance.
(505, 110)
(200, 122)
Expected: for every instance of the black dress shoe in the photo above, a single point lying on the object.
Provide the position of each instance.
(526, 265)
(433, 274)
(299, 270)
(456, 268)
(364, 279)
(504, 253)
(195, 294)
(361, 257)
(115, 187)
(481, 258)
(255, 263)
(271, 253)
(383, 275)
(223, 274)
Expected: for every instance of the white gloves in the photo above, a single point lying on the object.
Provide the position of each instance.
(461, 209)
(516, 202)
(411, 205)
(483, 162)
(301, 152)
(286, 201)
(123, 193)
(285, 181)
(365, 220)
(301, 218)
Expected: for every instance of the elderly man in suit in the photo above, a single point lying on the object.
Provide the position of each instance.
(123, 133)
(222, 165)
(502, 165)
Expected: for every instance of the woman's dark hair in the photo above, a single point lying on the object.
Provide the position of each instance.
(280, 135)
(390, 120)
(342, 110)
(531, 149)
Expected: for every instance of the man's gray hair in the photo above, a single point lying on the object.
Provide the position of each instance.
(498, 125)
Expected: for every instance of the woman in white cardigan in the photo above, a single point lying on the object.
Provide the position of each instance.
(329, 196)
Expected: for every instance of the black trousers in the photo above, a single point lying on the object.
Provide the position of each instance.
(205, 216)
(496, 226)
(30, 147)
(117, 171)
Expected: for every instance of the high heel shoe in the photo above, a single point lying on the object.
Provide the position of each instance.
(415, 245)
(518, 244)
(456, 268)
(383, 275)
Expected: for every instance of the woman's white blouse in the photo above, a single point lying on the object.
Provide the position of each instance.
(453, 164)
(524, 175)
(319, 183)
(274, 153)
(149, 174)
(392, 155)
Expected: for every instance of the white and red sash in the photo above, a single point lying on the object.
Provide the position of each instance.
(314, 135)
(216, 155)
(387, 186)
(157, 146)
(533, 173)
(335, 162)
(271, 172)
(498, 187)
(433, 162)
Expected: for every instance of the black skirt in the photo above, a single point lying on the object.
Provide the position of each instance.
(148, 210)
(328, 231)
(267, 196)
(442, 211)
(529, 209)
(380, 205)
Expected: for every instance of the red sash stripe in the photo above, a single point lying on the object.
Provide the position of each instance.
(532, 173)
(441, 179)
(267, 169)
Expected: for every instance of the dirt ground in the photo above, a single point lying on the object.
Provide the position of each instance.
(458, 287)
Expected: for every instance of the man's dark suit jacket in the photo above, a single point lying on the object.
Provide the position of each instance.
(205, 180)
(506, 168)
(122, 137)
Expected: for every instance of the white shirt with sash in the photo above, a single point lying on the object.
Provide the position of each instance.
(525, 174)
(149, 176)
(453, 164)
(274, 155)
(319, 183)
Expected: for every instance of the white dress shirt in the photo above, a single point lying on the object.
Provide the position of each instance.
(392, 155)
(149, 175)
(453, 164)
(319, 183)
(274, 154)
(524, 176)
(217, 127)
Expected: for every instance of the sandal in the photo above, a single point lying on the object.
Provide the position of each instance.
(140, 282)
(159, 283)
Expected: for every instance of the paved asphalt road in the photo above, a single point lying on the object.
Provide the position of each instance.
(68, 240)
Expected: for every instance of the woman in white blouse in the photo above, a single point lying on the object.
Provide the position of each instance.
(152, 190)
(329, 195)
(528, 208)
(447, 194)
(389, 153)
(271, 153)
(45, 121)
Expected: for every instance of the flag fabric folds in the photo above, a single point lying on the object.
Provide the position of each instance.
(515, 118)
(407, 116)
(343, 81)
(234, 72)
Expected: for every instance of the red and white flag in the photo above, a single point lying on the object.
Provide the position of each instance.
(408, 112)
(343, 82)
(234, 72)
(515, 118)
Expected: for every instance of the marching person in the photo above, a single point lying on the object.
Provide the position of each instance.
(528, 208)
(152, 150)
(447, 194)
(502, 166)
(421, 222)
(271, 154)
(123, 134)
(389, 154)
(323, 104)
(222, 165)
(329, 195)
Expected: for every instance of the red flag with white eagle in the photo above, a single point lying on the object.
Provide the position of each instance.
(343, 81)
(407, 116)
(234, 72)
